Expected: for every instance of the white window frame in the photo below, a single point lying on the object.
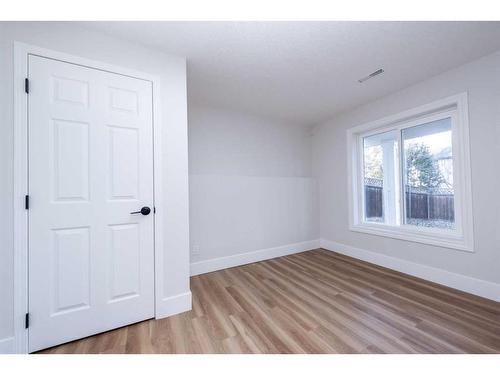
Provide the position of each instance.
(455, 107)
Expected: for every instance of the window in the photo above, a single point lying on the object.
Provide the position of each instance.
(410, 175)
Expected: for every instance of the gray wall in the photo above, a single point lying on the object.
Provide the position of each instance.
(481, 79)
(250, 183)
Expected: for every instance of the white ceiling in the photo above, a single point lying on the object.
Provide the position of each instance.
(306, 72)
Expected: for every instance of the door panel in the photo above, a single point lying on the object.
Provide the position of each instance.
(71, 160)
(71, 272)
(124, 262)
(70, 90)
(91, 265)
(124, 166)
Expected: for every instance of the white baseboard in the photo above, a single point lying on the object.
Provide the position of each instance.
(7, 345)
(173, 305)
(482, 288)
(216, 264)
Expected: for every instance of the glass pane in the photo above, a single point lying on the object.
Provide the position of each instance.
(380, 176)
(428, 175)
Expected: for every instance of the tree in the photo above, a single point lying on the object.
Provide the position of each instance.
(421, 168)
(373, 162)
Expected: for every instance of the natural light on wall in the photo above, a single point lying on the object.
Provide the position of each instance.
(408, 181)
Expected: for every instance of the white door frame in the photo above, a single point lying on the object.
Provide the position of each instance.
(21, 246)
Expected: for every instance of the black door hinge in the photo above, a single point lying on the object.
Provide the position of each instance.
(27, 321)
(27, 202)
(27, 85)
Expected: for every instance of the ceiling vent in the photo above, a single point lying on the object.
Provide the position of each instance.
(371, 75)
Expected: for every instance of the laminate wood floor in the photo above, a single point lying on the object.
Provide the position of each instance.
(313, 302)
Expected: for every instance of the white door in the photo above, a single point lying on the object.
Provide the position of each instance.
(91, 261)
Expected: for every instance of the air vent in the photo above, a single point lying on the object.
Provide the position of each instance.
(371, 75)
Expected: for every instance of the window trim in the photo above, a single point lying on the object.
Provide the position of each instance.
(455, 106)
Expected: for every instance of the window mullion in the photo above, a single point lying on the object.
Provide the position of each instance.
(402, 171)
(360, 179)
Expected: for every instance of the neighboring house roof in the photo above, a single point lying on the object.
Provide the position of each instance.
(445, 153)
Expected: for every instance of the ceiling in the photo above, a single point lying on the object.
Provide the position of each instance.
(305, 72)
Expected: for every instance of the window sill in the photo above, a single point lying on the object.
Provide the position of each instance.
(451, 241)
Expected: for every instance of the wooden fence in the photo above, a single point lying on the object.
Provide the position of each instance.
(420, 205)
(373, 201)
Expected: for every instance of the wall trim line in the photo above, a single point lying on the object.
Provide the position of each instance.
(478, 287)
(173, 305)
(216, 264)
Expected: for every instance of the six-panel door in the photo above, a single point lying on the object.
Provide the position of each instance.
(91, 262)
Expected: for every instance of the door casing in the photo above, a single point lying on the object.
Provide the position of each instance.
(21, 168)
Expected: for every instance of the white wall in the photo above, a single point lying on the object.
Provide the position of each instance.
(481, 79)
(250, 186)
(172, 71)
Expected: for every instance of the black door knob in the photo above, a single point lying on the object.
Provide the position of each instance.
(145, 211)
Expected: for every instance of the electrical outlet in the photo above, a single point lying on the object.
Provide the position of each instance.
(195, 250)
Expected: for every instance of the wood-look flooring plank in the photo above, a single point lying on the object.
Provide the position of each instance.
(312, 302)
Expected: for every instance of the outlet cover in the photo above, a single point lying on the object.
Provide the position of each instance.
(195, 249)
